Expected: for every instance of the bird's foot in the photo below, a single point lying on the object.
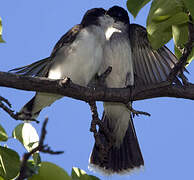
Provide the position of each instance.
(135, 112)
(101, 78)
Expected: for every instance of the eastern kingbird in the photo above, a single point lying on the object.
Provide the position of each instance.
(77, 55)
(133, 62)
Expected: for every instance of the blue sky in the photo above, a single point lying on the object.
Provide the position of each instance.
(31, 29)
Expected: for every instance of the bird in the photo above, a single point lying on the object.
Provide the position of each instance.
(134, 63)
(77, 55)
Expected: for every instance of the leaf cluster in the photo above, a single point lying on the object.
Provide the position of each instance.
(10, 162)
(167, 19)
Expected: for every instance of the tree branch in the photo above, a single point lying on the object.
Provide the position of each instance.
(11, 112)
(2, 99)
(97, 121)
(69, 89)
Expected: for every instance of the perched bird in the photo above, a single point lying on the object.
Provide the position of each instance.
(133, 62)
(77, 55)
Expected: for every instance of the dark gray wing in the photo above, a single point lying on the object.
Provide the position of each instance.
(150, 66)
(67, 39)
(41, 68)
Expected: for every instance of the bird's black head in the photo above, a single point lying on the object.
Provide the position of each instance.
(119, 14)
(91, 16)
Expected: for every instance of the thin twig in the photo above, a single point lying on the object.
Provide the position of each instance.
(15, 115)
(101, 145)
(96, 121)
(5, 100)
(40, 148)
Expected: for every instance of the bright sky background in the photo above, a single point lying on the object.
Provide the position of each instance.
(31, 29)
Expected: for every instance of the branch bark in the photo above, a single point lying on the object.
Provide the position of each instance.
(67, 88)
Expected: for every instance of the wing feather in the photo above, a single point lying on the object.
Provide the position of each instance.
(150, 66)
(41, 67)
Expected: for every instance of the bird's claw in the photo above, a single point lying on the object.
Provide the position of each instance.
(135, 112)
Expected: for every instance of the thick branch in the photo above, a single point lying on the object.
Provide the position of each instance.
(69, 89)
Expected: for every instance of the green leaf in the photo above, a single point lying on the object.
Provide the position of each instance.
(134, 6)
(162, 16)
(177, 52)
(3, 134)
(160, 33)
(161, 10)
(180, 34)
(79, 174)
(9, 163)
(27, 135)
(32, 168)
(159, 38)
(76, 173)
(1, 40)
(176, 19)
(50, 171)
(190, 6)
(37, 159)
(93, 177)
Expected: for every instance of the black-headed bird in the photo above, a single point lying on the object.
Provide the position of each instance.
(134, 62)
(77, 55)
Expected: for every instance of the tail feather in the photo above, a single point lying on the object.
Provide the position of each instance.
(118, 160)
(27, 110)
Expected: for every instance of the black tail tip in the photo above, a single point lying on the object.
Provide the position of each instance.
(123, 160)
(117, 160)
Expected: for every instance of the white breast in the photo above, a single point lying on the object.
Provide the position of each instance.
(82, 61)
(117, 54)
(110, 31)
